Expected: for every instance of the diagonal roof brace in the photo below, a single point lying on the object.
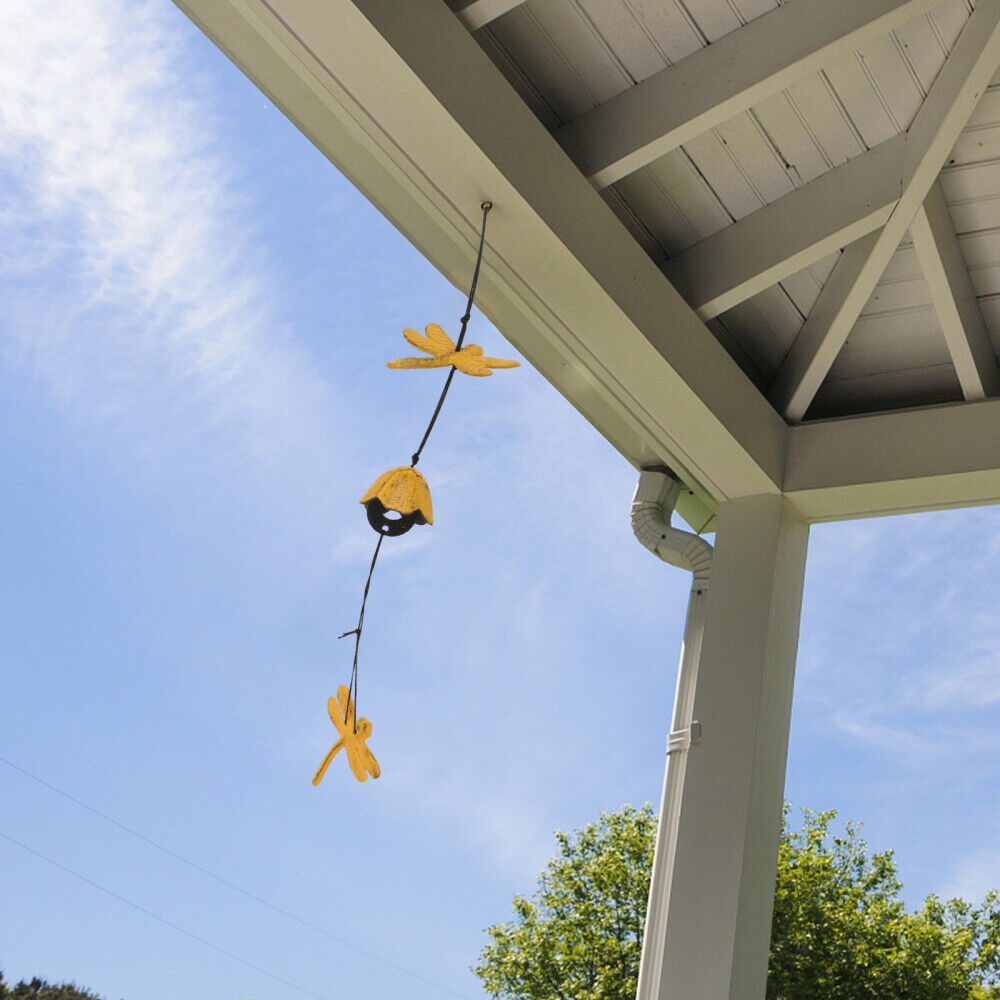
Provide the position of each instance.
(954, 298)
(951, 101)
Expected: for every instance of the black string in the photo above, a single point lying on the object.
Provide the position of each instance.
(486, 206)
(352, 687)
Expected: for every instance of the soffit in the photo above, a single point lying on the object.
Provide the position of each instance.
(568, 57)
(408, 101)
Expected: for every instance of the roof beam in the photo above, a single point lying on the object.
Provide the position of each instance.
(478, 13)
(944, 114)
(895, 463)
(797, 230)
(407, 104)
(954, 298)
(714, 84)
(813, 351)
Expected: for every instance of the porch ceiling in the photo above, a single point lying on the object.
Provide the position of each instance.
(714, 218)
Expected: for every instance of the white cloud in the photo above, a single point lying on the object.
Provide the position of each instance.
(918, 675)
(867, 729)
(139, 299)
(512, 833)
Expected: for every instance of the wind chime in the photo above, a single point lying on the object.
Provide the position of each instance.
(395, 502)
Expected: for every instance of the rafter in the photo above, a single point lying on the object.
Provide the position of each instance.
(719, 81)
(797, 230)
(947, 109)
(954, 298)
(478, 13)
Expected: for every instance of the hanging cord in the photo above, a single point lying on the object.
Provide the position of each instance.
(352, 687)
(486, 206)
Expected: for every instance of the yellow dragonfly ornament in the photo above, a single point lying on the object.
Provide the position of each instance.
(444, 353)
(353, 734)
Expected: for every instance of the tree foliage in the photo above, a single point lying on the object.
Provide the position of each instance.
(840, 930)
(580, 937)
(38, 989)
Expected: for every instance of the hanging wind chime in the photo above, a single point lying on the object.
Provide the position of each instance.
(395, 502)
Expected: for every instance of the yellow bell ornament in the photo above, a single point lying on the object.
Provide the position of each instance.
(405, 492)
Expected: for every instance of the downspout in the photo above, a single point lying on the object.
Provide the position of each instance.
(652, 506)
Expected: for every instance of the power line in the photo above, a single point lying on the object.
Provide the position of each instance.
(163, 920)
(226, 882)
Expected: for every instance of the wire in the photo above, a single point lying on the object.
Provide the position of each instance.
(226, 882)
(352, 686)
(486, 206)
(163, 920)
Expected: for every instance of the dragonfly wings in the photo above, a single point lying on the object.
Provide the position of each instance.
(321, 770)
(444, 352)
(353, 733)
(471, 361)
(371, 764)
(435, 343)
(347, 709)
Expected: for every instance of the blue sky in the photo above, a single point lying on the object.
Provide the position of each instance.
(195, 314)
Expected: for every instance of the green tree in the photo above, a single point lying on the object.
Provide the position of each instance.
(580, 937)
(840, 932)
(38, 989)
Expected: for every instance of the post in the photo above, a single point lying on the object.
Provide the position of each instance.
(715, 938)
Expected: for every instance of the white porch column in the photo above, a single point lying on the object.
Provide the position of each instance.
(717, 930)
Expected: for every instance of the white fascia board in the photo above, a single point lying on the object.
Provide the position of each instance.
(799, 229)
(478, 13)
(402, 99)
(716, 83)
(951, 101)
(954, 298)
(895, 463)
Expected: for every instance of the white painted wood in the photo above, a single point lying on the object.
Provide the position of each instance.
(718, 909)
(879, 341)
(895, 463)
(797, 230)
(402, 98)
(899, 389)
(933, 134)
(719, 81)
(478, 13)
(813, 352)
(954, 298)
(407, 105)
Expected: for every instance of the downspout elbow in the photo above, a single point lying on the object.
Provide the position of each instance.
(655, 497)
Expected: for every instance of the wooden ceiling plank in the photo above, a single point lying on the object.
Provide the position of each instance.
(954, 298)
(942, 117)
(716, 83)
(792, 233)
